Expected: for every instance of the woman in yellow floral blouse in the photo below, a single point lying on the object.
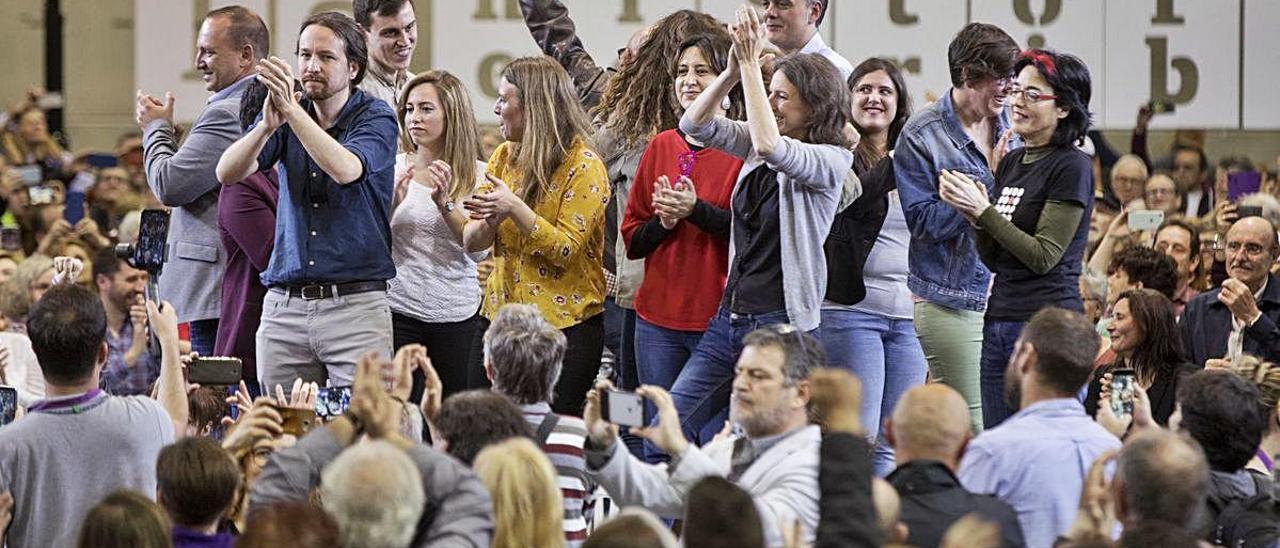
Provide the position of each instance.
(542, 209)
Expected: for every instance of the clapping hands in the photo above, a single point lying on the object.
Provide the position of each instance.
(673, 202)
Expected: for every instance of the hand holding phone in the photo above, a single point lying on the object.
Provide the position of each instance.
(622, 408)
(1145, 219)
(1123, 384)
(214, 371)
(297, 422)
(332, 402)
(8, 404)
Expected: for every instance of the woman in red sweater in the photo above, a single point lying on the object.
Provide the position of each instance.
(677, 220)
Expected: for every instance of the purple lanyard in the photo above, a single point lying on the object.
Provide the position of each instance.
(73, 403)
(1266, 460)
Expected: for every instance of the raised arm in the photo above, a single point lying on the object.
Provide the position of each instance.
(748, 37)
(554, 31)
(180, 175)
(171, 389)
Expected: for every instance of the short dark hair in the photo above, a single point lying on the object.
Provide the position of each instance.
(1180, 223)
(980, 51)
(246, 28)
(1154, 269)
(472, 420)
(719, 514)
(363, 10)
(821, 88)
(1221, 411)
(205, 408)
(67, 327)
(1144, 534)
(196, 480)
(1165, 477)
(351, 34)
(125, 518)
(1066, 344)
(106, 262)
(525, 353)
(1072, 85)
(1236, 162)
(298, 524)
(801, 352)
(1199, 152)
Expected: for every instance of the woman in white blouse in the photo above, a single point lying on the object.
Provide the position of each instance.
(434, 298)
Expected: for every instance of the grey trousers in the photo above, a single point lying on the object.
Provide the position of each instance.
(320, 340)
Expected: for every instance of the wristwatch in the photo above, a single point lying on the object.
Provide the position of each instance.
(448, 206)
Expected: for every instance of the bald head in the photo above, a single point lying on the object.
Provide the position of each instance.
(931, 421)
(1161, 476)
(1251, 233)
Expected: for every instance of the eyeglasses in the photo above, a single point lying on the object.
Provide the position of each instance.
(1250, 249)
(1031, 95)
(1160, 192)
(1127, 181)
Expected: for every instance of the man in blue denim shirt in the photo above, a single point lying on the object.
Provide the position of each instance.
(958, 132)
(332, 257)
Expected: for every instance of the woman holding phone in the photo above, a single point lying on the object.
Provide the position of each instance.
(1148, 346)
(1034, 235)
(677, 220)
(542, 209)
(433, 296)
(796, 161)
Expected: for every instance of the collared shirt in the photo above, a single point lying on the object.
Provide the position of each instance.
(120, 379)
(327, 232)
(384, 84)
(1235, 341)
(233, 89)
(1036, 462)
(1182, 298)
(819, 46)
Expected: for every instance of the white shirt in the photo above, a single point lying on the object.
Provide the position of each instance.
(1235, 341)
(819, 46)
(435, 277)
(23, 372)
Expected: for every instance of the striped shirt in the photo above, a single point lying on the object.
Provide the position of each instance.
(564, 448)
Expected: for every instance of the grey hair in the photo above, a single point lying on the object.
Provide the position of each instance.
(525, 353)
(1095, 285)
(801, 352)
(374, 493)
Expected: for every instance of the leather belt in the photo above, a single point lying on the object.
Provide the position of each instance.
(327, 291)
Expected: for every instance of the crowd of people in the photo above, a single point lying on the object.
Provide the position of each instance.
(732, 290)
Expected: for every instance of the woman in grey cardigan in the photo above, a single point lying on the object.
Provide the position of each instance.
(797, 159)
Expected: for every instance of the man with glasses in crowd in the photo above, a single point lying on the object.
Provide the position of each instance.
(1242, 316)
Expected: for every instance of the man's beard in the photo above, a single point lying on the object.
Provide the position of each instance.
(1012, 389)
(324, 93)
(763, 422)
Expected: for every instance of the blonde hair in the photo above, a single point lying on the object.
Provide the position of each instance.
(527, 507)
(461, 135)
(553, 121)
(1263, 374)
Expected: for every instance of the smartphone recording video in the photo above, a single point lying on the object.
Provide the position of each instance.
(214, 371)
(8, 404)
(1123, 382)
(622, 408)
(332, 402)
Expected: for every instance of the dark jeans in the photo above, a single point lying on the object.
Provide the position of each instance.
(998, 339)
(665, 353)
(203, 335)
(701, 391)
(448, 345)
(577, 374)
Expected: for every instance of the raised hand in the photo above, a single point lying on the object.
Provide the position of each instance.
(601, 432)
(149, 109)
(666, 435)
(836, 397)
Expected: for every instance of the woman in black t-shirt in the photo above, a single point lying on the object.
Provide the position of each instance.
(1034, 234)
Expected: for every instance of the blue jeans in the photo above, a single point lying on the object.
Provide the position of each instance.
(701, 391)
(665, 353)
(203, 334)
(998, 339)
(885, 355)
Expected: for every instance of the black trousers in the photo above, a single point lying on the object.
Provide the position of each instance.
(577, 374)
(448, 346)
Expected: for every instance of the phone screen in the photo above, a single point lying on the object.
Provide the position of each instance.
(10, 238)
(623, 408)
(8, 404)
(1145, 220)
(333, 401)
(149, 254)
(73, 209)
(40, 195)
(1122, 387)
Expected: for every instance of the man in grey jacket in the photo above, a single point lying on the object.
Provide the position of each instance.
(230, 43)
(776, 461)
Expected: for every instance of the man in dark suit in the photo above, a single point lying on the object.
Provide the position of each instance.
(1242, 316)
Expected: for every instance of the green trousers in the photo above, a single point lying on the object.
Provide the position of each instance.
(952, 343)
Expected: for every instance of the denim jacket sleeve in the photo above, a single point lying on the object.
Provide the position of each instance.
(557, 36)
(928, 217)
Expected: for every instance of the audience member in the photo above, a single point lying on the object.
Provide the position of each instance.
(552, 188)
(20, 369)
(289, 525)
(1181, 242)
(633, 527)
(374, 492)
(206, 406)
(1160, 481)
(392, 30)
(196, 484)
(846, 502)
(433, 297)
(775, 461)
(1034, 460)
(719, 514)
(792, 26)
(796, 163)
(929, 431)
(527, 507)
(230, 44)
(131, 368)
(1190, 172)
(1266, 376)
(123, 518)
(469, 421)
(334, 293)
(28, 142)
(945, 275)
(1128, 181)
(1242, 316)
(1163, 195)
(523, 353)
(30, 280)
(44, 456)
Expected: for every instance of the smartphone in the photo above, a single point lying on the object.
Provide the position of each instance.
(31, 175)
(8, 404)
(1242, 183)
(1123, 382)
(153, 230)
(297, 422)
(1161, 107)
(10, 238)
(1248, 211)
(73, 207)
(40, 195)
(1145, 220)
(214, 371)
(622, 408)
(333, 401)
(100, 161)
